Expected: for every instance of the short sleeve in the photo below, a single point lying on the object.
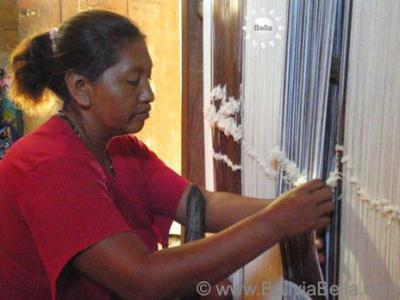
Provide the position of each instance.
(67, 206)
(164, 189)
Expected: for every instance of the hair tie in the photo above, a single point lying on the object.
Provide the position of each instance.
(53, 34)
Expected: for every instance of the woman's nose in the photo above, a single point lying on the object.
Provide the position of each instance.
(146, 95)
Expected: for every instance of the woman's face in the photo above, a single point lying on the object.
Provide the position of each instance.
(122, 94)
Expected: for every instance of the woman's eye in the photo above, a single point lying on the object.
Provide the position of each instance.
(134, 82)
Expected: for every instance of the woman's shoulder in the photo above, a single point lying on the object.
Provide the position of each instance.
(52, 140)
(134, 145)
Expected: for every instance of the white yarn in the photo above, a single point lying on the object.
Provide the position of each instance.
(388, 210)
(224, 158)
(262, 77)
(369, 248)
(336, 175)
(224, 118)
(291, 174)
(266, 168)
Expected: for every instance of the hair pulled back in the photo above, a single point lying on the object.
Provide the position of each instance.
(87, 43)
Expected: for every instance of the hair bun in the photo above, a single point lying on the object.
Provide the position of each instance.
(31, 66)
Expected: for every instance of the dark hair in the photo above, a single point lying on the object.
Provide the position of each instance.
(87, 43)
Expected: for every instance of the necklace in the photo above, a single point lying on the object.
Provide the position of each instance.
(76, 131)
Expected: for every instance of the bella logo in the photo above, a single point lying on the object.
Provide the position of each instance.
(263, 28)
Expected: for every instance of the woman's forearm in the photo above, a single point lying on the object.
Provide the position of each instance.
(229, 250)
(224, 209)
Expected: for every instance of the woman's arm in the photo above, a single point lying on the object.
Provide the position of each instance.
(122, 264)
(223, 209)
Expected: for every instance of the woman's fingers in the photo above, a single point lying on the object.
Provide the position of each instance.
(313, 185)
(326, 208)
(323, 194)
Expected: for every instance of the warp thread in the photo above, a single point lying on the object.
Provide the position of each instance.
(224, 118)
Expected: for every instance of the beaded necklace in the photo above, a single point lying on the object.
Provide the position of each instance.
(76, 131)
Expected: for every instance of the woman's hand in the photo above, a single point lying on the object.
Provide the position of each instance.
(302, 209)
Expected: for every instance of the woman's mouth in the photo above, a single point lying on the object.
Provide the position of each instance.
(143, 115)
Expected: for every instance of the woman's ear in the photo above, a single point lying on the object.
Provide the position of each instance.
(79, 88)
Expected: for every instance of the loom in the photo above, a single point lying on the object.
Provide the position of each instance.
(318, 88)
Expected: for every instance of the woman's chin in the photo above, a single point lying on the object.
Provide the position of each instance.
(136, 127)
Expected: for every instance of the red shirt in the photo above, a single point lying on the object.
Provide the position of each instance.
(56, 200)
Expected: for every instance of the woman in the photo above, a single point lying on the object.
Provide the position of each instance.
(83, 203)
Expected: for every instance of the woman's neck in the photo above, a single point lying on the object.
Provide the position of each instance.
(93, 137)
(88, 127)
